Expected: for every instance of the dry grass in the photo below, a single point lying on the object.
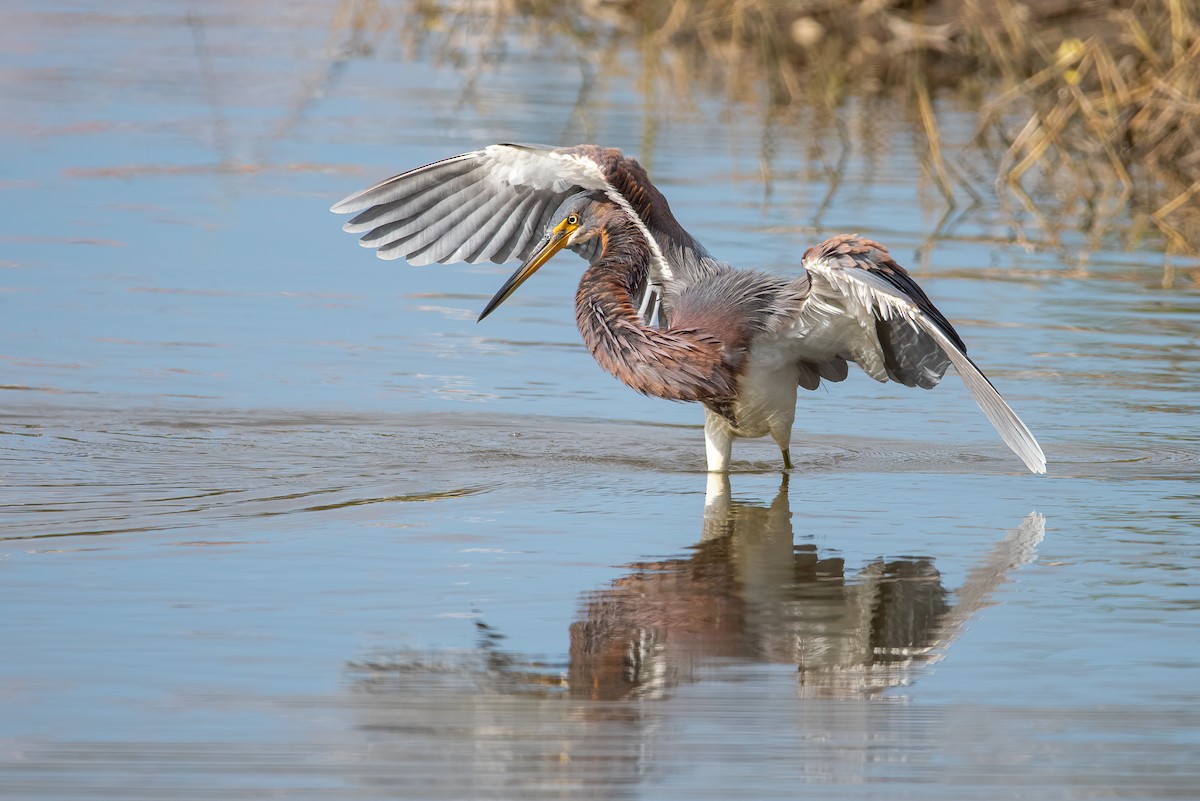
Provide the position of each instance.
(1116, 119)
(1092, 110)
(1088, 111)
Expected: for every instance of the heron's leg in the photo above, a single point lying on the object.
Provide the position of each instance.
(782, 434)
(717, 507)
(718, 441)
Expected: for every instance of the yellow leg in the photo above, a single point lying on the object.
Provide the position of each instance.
(787, 459)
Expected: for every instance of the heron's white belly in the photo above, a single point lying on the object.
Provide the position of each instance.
(766, 402)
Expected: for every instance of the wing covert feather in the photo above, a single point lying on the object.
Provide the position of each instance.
(865, 307)
(492, 203)
(434, 213)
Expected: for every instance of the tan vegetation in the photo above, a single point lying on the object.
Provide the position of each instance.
(1102, 97)
(1089, 111)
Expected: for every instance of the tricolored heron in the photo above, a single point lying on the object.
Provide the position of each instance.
(661, 314)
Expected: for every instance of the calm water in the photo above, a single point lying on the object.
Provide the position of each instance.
(279, 520)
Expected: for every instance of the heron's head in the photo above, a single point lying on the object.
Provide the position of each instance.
(578, 219)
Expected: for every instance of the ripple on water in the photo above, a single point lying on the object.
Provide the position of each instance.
(91, 473)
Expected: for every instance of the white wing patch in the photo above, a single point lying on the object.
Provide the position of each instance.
(839, 319)
(540, 169)
(486, 204)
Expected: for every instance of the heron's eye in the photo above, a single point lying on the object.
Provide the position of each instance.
(573, 219)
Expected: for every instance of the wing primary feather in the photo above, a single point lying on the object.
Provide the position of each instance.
(410, 205)
(1012, 430)
(409, 196)
(375, 216)
(537, 220)
(514, 231)
(429, 218)
(477, 228)
(497, 229)
(529, 226)
(386, 234)
(394, 250)
(399, 186)
(446, 233)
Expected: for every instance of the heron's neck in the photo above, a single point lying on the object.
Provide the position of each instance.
(677, 364)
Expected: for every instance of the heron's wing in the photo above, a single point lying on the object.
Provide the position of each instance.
(495, 203)
(863, 306)
(490, 204)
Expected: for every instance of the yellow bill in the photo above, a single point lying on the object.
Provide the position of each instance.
(551, 244)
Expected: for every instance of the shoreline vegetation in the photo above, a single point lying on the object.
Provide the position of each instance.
(1089, 112)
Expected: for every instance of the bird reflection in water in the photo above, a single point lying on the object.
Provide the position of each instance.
(493, 723)
(749, 593)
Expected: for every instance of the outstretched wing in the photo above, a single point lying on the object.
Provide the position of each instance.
(864, 307)
(494, 204)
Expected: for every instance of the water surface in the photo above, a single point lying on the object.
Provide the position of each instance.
(280, 520)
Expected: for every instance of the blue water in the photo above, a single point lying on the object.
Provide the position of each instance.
(278, 519)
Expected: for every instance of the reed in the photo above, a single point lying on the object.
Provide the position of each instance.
(1091, 111)
(1088, 112)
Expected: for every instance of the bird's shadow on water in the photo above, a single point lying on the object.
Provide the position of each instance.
(747, 595)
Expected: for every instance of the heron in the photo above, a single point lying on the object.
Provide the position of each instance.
(661, 314)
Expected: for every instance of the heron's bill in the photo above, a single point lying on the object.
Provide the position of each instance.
(553, 243)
